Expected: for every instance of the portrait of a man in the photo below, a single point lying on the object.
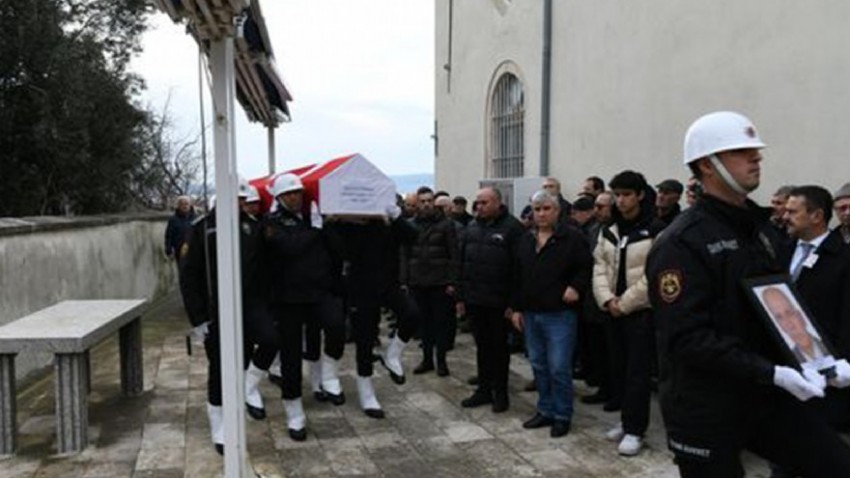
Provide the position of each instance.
(796, 329)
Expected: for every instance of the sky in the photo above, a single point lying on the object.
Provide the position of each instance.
(361, 73)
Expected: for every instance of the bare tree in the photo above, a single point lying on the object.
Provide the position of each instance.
(170, 164)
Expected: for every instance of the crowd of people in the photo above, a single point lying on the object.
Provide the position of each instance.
(620, 287)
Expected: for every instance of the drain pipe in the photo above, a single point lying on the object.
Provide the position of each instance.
(546, 97)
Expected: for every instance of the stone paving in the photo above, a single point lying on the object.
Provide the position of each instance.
(164, 432)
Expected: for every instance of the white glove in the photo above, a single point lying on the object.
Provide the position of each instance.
(393, 211)
(315, 217)
(200, 332)
(803, 386)
(842, 374)
(815, 378)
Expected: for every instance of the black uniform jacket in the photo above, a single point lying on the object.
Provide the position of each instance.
(716, 353)
(199, 283)
(303, 265)
(487, 256)
(371, 249)
(433, 258)
(543, 276)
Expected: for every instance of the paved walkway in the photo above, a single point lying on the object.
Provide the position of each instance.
(164, 433)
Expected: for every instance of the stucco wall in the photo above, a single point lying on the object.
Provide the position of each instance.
(483, 38)
(630, 76)
(47, 260)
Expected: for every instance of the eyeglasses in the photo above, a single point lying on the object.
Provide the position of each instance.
(842, 208)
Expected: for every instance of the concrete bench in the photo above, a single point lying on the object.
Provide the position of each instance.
(68, 330)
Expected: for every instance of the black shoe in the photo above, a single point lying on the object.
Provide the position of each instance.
(298, 435)
(612, 407)
(256, 413)
(473, 380)
(537, 421)
(442, 369)
(219, 448)
(423, 367)
(530, 386)
(559, 428)
(376, 413)
(276, 379)
(396, 378)
(320, 396)
(595, 399)
(500, 402)
(480, 397)
(337, 400)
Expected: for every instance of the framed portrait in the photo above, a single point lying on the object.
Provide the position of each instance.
(791, 323)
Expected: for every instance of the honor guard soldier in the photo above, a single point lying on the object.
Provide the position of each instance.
(723, 385)
(199, 288)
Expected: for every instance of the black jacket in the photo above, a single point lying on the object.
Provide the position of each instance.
(176, 230)
(543, 276)
(668, 217)
(716, 353)
(371, 251)
(199, 283)
(565, 215)
(303, 265)
(487, 256)
(432, 259)
(825, 289)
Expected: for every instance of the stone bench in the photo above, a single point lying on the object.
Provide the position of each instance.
(68, 330)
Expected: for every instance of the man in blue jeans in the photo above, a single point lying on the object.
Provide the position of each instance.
(554, 267)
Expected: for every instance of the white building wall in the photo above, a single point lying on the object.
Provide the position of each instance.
(628, 77)
(483, 39)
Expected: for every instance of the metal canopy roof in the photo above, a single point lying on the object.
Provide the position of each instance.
(259, 87)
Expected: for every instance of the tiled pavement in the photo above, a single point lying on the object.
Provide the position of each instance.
(164, 433)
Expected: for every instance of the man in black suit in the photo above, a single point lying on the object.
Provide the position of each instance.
(819, 264)
(820, 267)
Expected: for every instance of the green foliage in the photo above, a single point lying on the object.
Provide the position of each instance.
(69, 129)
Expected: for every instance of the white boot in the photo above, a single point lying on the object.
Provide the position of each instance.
(392, 359)
(368, 400)
(214, 413)
(330, 380)
(315, 375)
(296, 421)
(253, 398)
(274, 371)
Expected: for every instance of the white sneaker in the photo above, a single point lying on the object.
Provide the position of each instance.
(630, 445)
(616, 433)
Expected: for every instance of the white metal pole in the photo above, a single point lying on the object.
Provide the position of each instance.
(229, 271)
(271, 149)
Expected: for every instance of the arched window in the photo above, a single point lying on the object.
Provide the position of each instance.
(507, 128)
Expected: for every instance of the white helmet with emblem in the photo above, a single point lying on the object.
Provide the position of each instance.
(717, 132)
(244, 188)
(253, 195)
(285, 183)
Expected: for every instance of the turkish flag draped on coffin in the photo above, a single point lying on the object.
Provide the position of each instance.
(350, 185)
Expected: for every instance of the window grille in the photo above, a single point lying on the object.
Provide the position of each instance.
(507, 133)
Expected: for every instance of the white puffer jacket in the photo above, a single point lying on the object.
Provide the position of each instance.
(606, 263)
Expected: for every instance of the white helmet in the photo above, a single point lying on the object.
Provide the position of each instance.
(285, 183)
(253, 195)
(244, 188)
(718, 132)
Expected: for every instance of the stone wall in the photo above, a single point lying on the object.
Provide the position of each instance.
(45, 260)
